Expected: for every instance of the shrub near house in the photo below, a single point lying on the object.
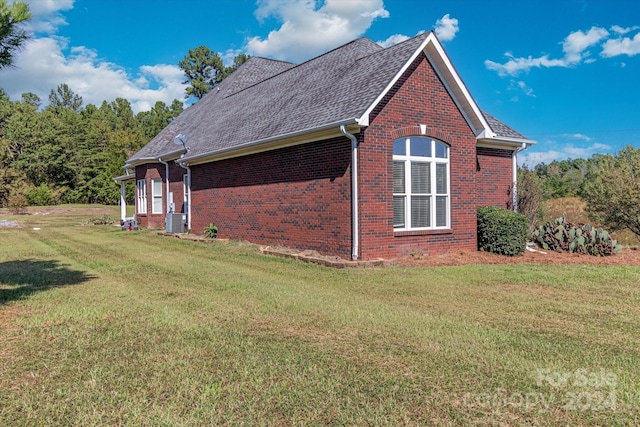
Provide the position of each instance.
(502, 231)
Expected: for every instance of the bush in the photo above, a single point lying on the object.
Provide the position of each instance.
(563, 235)
(41, 196)
(501, 231)
(530, 194)
(17, 204)
(101, 220)
(211, 231)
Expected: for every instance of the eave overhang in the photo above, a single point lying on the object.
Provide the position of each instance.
(331, 130)
(123, 178)
(165, 157)
(514, 144)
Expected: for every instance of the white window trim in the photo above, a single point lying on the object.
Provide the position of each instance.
(433, 160)
(156, 208)
(141, 196)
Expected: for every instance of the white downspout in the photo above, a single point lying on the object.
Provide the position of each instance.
(185, 165)
(123, 203)
(354, 192)
(515, 175)
(166, 167)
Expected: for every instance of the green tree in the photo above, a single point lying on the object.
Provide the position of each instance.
(612, 192)
(12, 36)
(204, 70)
(237, 62)
(63, 97)
(31, 99)
(156, 119)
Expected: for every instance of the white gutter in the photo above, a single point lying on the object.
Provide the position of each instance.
(166, 168)
(142, 160)
(354, 192)
(515, 175)
(195, 159)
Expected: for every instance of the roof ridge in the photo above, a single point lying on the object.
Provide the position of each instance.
(393, 46)
(315, 58)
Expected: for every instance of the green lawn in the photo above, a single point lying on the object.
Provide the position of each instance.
(104, 327)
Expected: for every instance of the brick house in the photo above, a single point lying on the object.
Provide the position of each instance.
(363, 152)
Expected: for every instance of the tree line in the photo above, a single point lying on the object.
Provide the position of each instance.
(68, 152)
(608, 183)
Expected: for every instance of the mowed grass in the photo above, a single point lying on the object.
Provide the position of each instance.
(104, 327)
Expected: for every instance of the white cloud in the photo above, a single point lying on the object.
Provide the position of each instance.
(562, 151)
(622, 46)
(446, 28)
(531, 159)
(575, 48)
(46, 16)
(521, 86)
(43, 66)
(624, 30)
(307, 31)
(577, 136)
(394, 39)
(515, 66)
(576, 44)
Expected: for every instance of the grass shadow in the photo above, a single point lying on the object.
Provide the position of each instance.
(21, 279)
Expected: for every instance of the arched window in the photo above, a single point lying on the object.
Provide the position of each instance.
(421, 193)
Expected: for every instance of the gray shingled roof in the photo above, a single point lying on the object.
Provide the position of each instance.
(266, 99)
(336, 86)
(502, 130)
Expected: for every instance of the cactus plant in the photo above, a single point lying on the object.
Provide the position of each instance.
(563, 235)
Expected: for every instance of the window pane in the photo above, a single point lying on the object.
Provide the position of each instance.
(142, 196)
(441, 150)
(157, 187)
(398, 177)
(420, 211)
(398, 211)
(441, 211)
(420, 146)
(157, 205)
(157, 196)
(441, 178)
(420, 178)
(400, 147)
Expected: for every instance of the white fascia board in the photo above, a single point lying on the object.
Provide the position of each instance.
(172, 155)
(123, 178)
(281, 141)
(457, 89)
(438, 58)
(364, 120)
(504, 143)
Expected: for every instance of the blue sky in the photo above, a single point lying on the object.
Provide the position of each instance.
(565, 73)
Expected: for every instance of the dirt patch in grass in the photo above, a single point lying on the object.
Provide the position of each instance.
(628, 256)
(70, 210)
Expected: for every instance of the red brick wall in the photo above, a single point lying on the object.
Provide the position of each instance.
(158, 170)
(494, 177)
(418, 98)
(297, 197)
